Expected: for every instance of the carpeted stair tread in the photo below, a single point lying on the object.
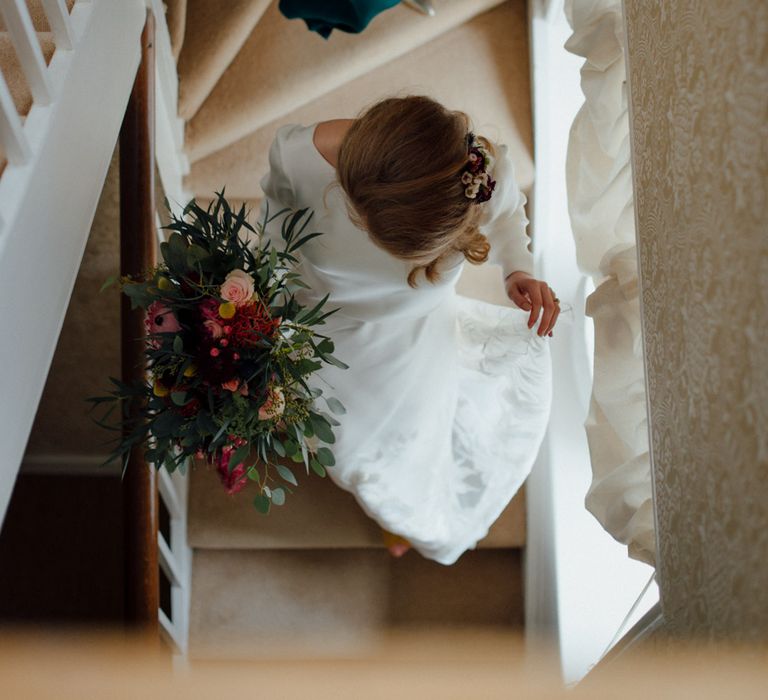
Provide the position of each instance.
(317, 515)
(215, 32)
(176, 19)
(38, 16)
(488, 78)
(282, 66)
(13, 73)
(332, 603)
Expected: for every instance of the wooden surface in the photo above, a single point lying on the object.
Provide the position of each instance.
(137, 253)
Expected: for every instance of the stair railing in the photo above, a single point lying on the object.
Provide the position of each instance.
(43, 79)
(157, 558)
(45, 212)
(137, 253)
(78, 101)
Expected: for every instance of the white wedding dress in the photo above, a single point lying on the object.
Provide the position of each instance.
(447, 398)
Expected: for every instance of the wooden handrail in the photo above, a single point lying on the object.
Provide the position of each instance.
(137, 253)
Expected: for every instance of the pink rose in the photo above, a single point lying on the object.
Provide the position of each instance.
(237, 287)
(214, 328)
(160, 319)
(274, 406)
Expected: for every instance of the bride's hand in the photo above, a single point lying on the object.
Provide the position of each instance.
(534, 295)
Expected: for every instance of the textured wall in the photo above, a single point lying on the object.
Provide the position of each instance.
(699, 104)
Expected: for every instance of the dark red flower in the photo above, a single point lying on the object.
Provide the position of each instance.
(251, 325)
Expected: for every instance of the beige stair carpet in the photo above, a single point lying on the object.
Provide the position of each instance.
(317, 514)
(480, 67)
(13, 73)
(39, 18)
(176, 19)
(282, 66)
(337, 602)
(215, 32)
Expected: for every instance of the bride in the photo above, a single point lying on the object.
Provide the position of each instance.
(447, 398)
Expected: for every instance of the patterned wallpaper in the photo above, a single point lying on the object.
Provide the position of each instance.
(698, 75)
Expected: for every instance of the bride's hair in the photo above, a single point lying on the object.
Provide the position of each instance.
(400, 166)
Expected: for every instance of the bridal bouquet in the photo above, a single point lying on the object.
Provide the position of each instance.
(229, 351)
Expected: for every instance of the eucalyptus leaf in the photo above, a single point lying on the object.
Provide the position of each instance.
(278, 496)
(335, 406)
(325, 457)
(322, 428)
(262, 504)
(286, 474)
(317, 467)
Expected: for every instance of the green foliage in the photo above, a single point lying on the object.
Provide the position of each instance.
(184, 407)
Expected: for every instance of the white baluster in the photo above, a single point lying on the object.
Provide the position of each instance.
(12, 136)
(58, 19)
(19, 25)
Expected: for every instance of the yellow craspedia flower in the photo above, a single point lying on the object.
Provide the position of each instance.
(159, 390)
(190, 371)
(227, 309)
(164, 283)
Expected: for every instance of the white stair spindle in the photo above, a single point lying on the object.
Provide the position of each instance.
(30, 55)
(12, 135)
(58, 20)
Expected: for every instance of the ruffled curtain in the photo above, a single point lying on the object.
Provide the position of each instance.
(600, 203)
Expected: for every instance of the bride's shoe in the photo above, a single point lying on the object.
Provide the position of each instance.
(396, 545)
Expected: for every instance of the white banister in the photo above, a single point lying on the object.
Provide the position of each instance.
(12, 139)
(30, 55)
(168, 562)
(168, 494)
(58, 20)
(170, 631)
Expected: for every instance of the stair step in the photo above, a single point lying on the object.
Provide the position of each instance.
(176, 19)
(338, 602)
(216, 31)
(13, 73)
(488, 78)
(38, 16)
(317, 515)
(282, 66)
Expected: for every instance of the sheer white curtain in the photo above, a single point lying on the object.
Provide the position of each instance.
(600, 204)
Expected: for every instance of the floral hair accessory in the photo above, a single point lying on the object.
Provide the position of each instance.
(479, 185)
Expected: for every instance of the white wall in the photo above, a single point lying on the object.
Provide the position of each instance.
(580, 583)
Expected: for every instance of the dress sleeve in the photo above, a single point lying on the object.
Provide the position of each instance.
(505, 221)
(276, 184)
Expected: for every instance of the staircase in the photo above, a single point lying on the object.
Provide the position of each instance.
(314, 573)
(56, 60)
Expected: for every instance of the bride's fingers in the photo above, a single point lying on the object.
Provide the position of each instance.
(549, 310)
(535, 294)
(554, 320)
(517, 296)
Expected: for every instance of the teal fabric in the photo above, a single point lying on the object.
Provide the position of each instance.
(323, 16)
